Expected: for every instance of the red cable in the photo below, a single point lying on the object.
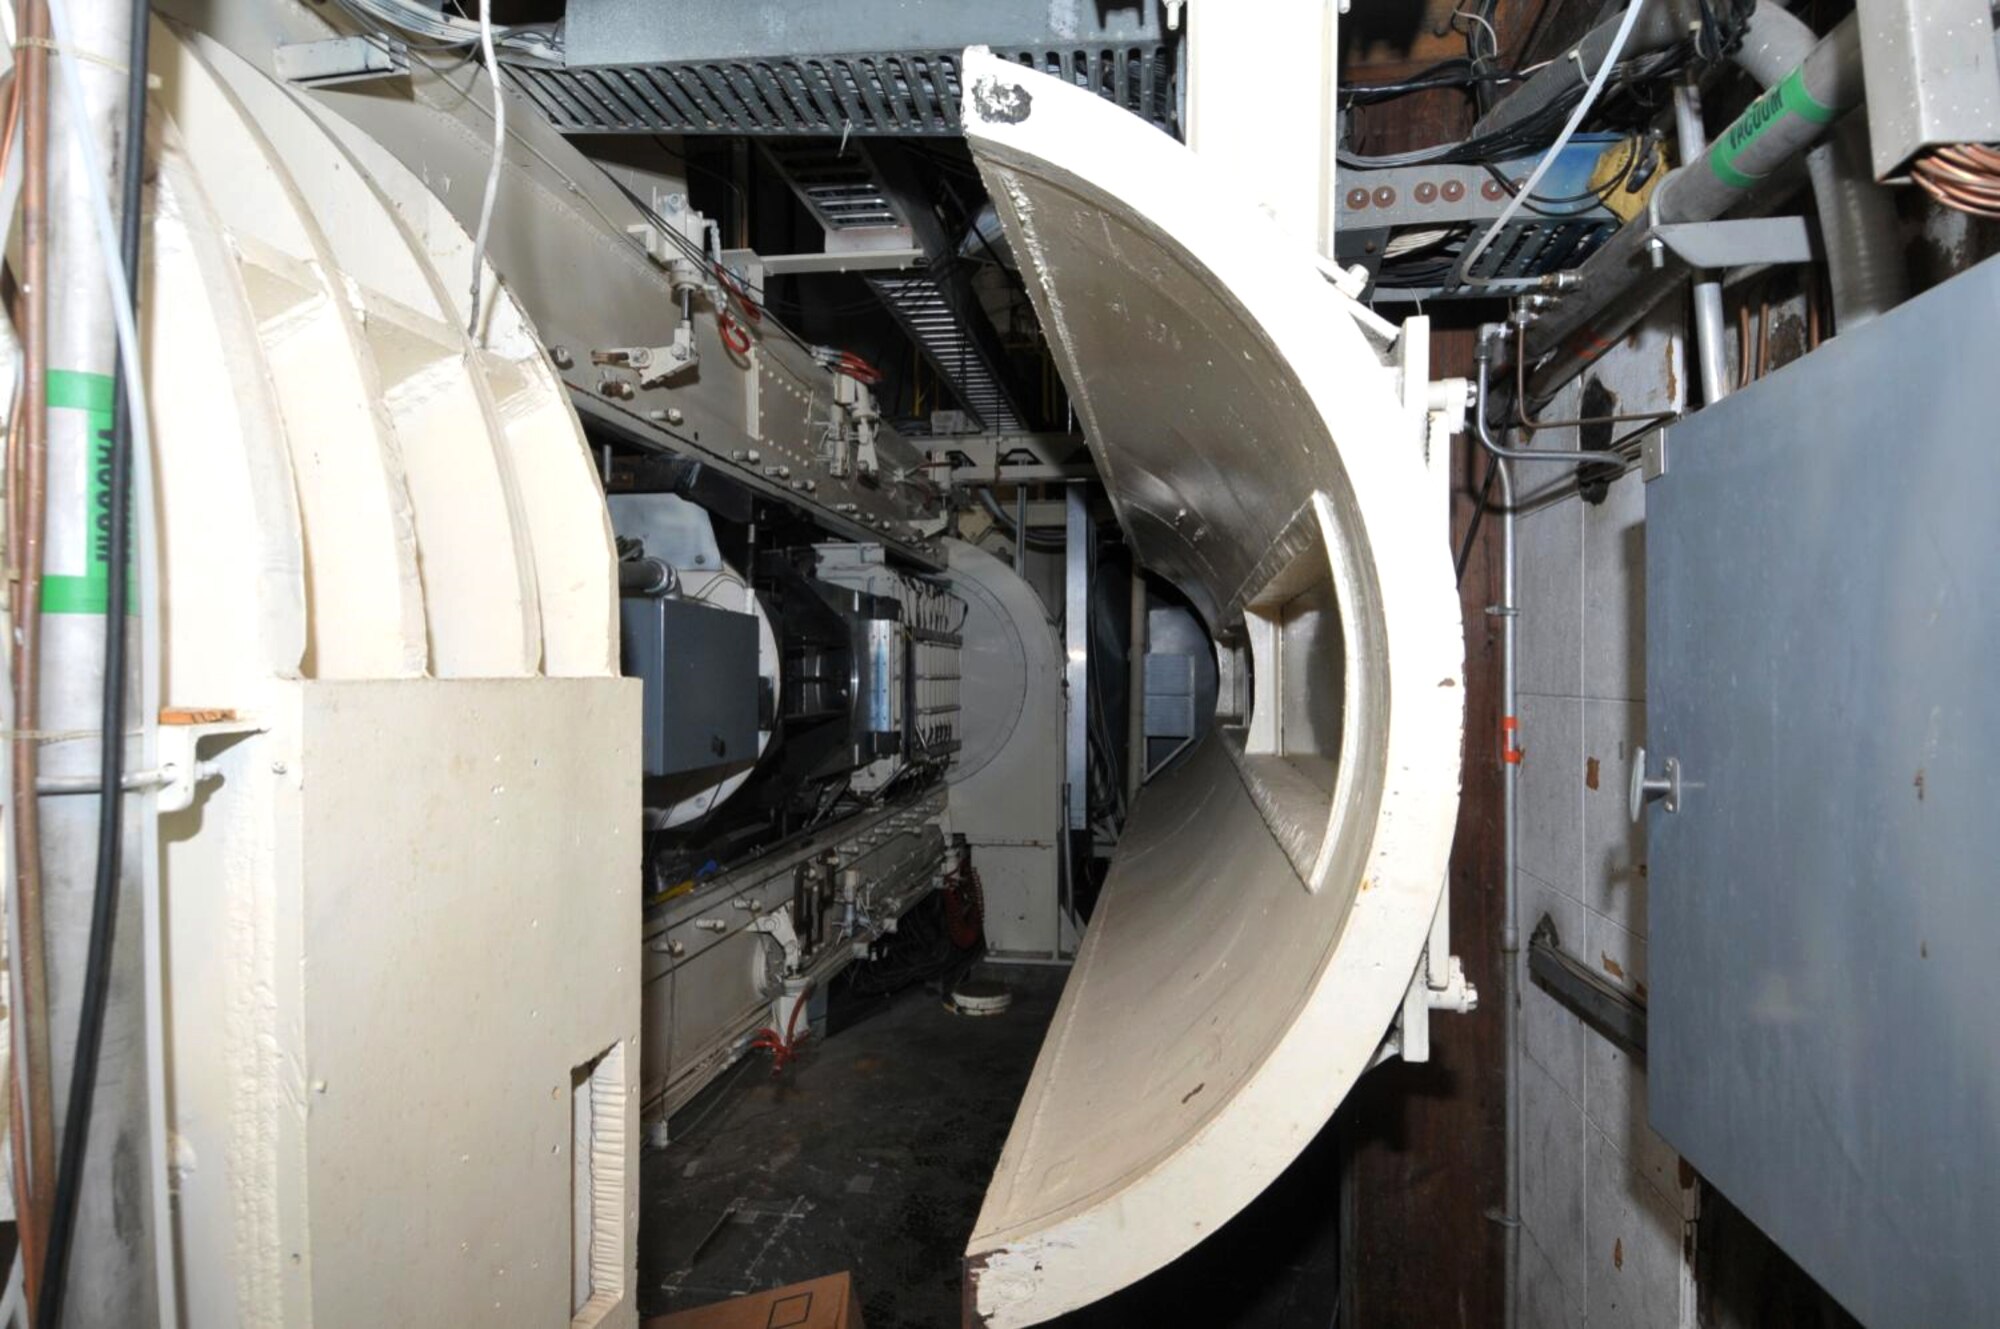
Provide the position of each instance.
(738, 294)
(784, 1047)
(858, 369)
(734, 335)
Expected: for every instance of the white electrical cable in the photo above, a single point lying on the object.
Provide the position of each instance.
(492, 61)
(146, 567)
(1590, 96)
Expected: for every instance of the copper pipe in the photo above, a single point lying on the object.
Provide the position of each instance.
(1964, 176)
(32, 1009)
(1523, 420)
(1743, 344)
(1764, 331)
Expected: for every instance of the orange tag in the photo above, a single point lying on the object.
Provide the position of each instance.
(1510, 743)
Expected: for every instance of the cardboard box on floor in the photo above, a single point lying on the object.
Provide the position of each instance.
(823, 1303)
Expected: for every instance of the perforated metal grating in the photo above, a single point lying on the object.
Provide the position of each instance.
(902, 93)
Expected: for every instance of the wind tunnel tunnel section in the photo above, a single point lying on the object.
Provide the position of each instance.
(1261, 930)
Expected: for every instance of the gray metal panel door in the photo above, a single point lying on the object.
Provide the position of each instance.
(1823, 633)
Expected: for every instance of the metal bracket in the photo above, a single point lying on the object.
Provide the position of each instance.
(1604, 1006)
(1646, 788)
(174, 779)
(656, 364)
(1653, 455)
(182, 770)
(337, 60)
(1738, 242)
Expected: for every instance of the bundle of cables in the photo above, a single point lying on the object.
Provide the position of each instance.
(428, 28)
(935, 944)
(1719, 32)
(1962, 176)
(740, 310)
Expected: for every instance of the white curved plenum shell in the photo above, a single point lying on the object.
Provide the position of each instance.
(1270, 901)
(419, 504)
(400, 942)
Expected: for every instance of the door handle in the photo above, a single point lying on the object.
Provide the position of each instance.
(1646, 788)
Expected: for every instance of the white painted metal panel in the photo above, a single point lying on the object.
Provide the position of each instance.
(422, 891)
(437, 1053)
(1264, 921)
(1006, 786)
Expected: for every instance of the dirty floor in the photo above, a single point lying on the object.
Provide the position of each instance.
(871, 1153)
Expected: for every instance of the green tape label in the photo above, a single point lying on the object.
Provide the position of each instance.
(76, 565)
(1734, 157)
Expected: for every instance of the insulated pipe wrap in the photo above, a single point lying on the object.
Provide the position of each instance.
(1620, 282)
(1857, 217)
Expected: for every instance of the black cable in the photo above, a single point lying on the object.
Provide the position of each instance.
(111, 768)
(1458, 73)
(1006, 523)
(1472, 527)
(1544, 205)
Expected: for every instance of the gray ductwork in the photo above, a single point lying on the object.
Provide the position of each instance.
(1627, 276)
(1857, 217)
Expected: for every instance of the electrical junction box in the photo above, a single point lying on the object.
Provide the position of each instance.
(699, 668)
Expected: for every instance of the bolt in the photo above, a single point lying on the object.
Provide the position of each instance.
(753, 456)
(1385, 197)
(616, 388)
(1357, 198)
(562, 357)
(1452, 191)
(1425, 192)
(675, 415)
(1491, 191)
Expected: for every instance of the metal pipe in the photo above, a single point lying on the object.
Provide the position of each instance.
(1491, 334)
(1857, 216)
(1708, 322)
(1508, 612)
(1524, 419)
(110, 1271)
(1620, 283)
(34, 1137)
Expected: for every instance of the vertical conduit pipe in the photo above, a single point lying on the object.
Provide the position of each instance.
(33, 1096)
(1507, 611)
(110, 1276)
(1708, 323)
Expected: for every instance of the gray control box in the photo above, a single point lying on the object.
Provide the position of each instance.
(699, 667)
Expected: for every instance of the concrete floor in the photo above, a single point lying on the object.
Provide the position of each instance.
(871, 1153)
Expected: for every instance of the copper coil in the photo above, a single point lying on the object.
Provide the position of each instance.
(1961, 176)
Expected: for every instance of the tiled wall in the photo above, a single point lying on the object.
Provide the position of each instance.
(1604, 1202)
